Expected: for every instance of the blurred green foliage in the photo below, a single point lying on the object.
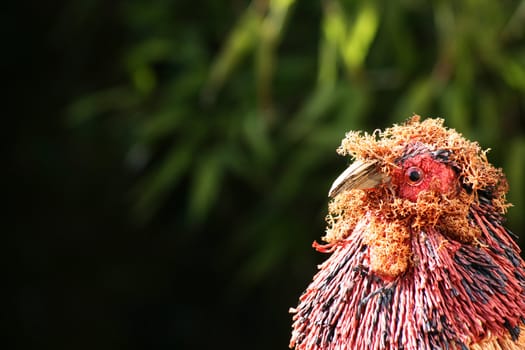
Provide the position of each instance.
(257, 95)
(225, 116)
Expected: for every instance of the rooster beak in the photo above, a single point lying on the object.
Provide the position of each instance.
(359, 175)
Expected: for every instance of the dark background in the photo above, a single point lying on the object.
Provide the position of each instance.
(168, 161)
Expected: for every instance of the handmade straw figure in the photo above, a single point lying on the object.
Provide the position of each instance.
(420, 258)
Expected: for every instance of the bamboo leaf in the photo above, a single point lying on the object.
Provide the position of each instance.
(94, 105)
(271, 31)
(334, 31)
(239, 43)
(360, 36)
(207, 178)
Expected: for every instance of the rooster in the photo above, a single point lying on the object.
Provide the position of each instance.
(420, 258)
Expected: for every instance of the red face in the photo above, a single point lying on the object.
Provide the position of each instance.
(424, 173)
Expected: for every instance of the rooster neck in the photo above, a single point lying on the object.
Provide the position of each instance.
(452, 295)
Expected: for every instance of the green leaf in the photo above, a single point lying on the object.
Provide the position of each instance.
(206, 182)
(241, 40)
(94, 105)
(360, 36)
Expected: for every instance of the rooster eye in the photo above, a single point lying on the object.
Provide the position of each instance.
(414, 175)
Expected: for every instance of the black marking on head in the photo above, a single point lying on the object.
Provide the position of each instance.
(413, 149)
(487, 194)
(442, 155)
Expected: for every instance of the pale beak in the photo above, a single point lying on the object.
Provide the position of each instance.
(359, 175)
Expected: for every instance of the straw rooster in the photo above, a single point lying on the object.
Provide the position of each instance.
(420, 258)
